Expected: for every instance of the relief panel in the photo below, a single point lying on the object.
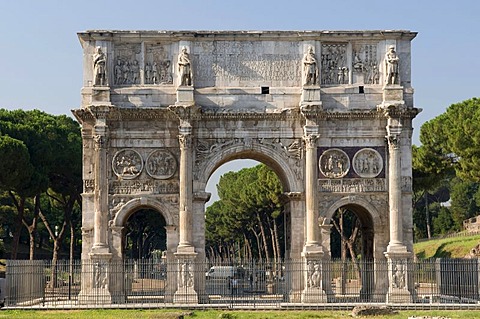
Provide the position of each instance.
(334, 64)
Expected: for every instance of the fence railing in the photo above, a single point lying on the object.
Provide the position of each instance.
(157, 283)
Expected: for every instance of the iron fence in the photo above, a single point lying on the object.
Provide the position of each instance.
(247, 284)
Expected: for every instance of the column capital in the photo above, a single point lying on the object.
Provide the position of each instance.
(185, 113)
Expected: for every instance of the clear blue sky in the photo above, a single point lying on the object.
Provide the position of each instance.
(41, 57)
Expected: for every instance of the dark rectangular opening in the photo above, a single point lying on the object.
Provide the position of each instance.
(265, 90)
(360, 89)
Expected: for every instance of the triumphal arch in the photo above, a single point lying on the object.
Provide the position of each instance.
(329, 111)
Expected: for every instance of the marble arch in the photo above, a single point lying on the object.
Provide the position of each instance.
(133, 205)
(261, 153)
(161, 110)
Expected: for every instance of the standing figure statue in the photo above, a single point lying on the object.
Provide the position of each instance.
(310, 70)
(391, 58)
(100, 67)
(184, 68)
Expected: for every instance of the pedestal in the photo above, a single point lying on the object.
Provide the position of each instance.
(96, 280)
(185, 95)
(392, 93)
(398, 287)
(100, 95)
(310, 94)
(185, 293)
(313, 275)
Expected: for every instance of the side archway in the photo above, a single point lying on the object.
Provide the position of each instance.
(129, 208)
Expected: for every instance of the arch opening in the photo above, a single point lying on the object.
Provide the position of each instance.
(250, 218)
(352, 251)
(144, 235)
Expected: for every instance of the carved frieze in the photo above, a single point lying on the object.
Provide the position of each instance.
(161, 164)
(334, 163)
(352, 185)
(130, 187)
(367, 163)
(127, 66)
(127, 164)
(334, 64)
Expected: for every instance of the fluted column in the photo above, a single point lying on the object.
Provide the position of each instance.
(101, 187)
(186, 195)
(395, 189)
(311, 204)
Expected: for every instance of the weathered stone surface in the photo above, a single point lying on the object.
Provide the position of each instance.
(164, 109)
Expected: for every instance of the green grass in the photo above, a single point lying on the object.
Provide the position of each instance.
(218, 314)
(455, 247)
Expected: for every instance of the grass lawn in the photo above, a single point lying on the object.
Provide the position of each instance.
(455, 247)
(219, 314)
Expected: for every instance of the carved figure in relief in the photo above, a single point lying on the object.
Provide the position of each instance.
(118, 72)
(161, 164)
(398, 277)
(148, 73)
(184, 68)
(127, 164)
(135, 70)
(357, 63)
(100, 67)
(310, 69)
(392, 59)
(315, 278)
(126, 72)
(100, 276)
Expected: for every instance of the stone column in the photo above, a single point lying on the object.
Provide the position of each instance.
(313, 291)
(186, 194)
(397, 254)
(310, 138)
(100, 191)
(395, 188)
(96, 272)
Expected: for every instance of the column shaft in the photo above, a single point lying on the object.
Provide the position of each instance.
(311, 189)
(395, 191)
(186, 201)
(101, 185)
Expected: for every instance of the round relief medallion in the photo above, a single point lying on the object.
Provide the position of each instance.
(127, 164)
(367, 163)
(161, 164)
(334, 163)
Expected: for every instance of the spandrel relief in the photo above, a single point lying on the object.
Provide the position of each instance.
(161, 164)
(334, 64)
(334, 163)
(127, 164)
(367, 163)
(127, 65)
(365, 63)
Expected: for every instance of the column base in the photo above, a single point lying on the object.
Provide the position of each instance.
(313, 295)
(396, 295)
(95, 296)
(185, 295)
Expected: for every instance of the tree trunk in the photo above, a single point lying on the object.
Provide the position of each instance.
(20, 206)
(264, 238)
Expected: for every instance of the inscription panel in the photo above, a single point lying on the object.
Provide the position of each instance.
(247, 63)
